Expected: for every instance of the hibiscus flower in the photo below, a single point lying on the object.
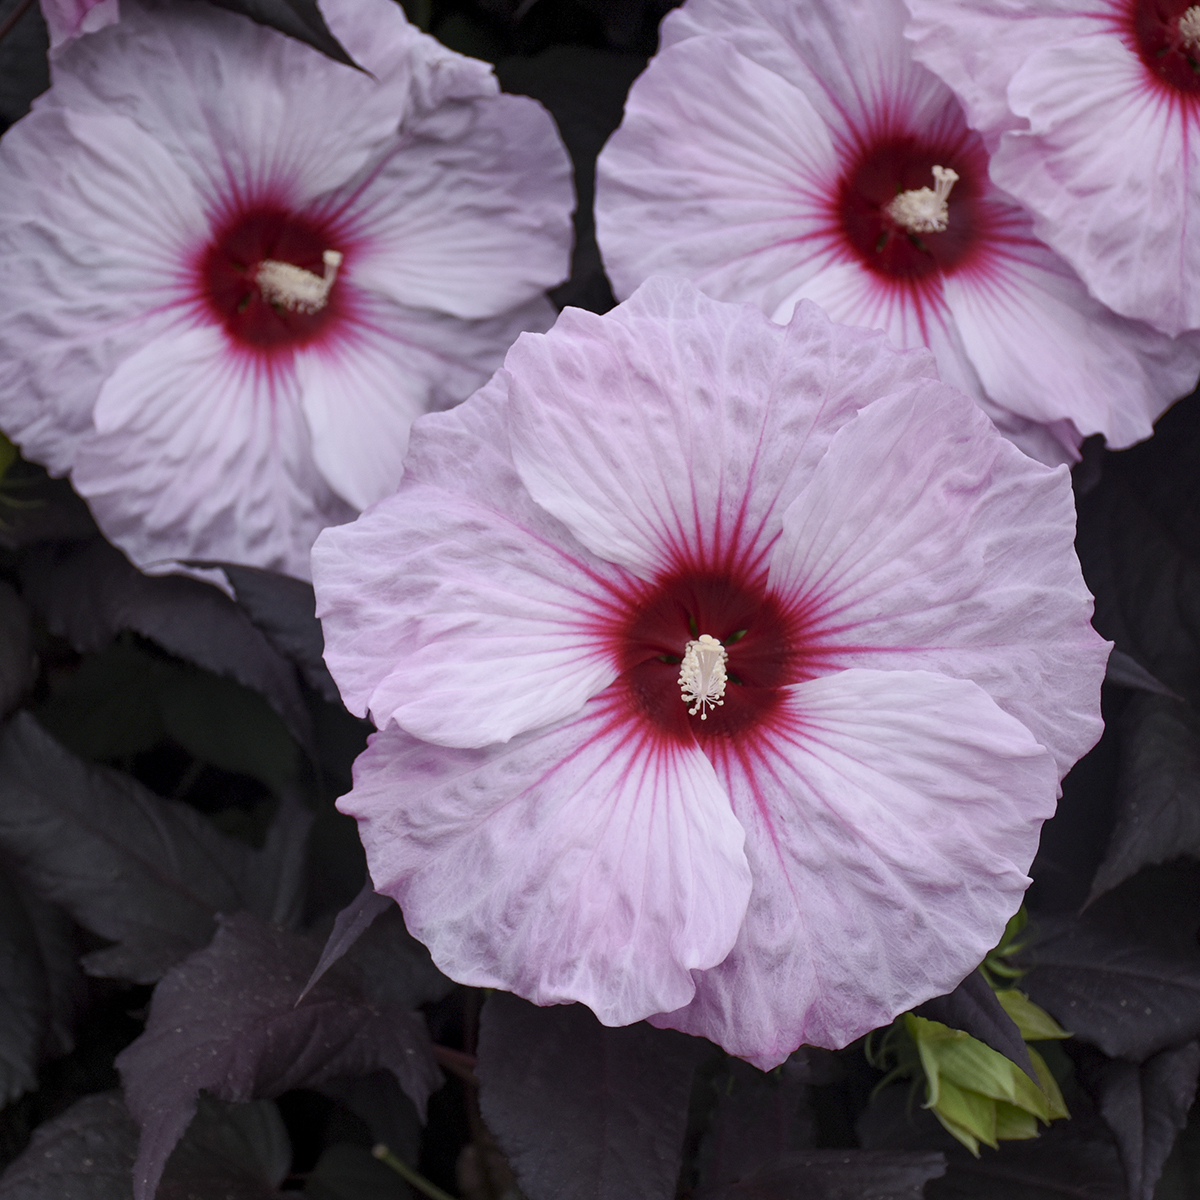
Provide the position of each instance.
(725, 672)
(1094, 110)
(236, 270)
(67, 19)
(774, 150)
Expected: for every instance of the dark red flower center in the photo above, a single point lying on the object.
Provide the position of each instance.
(890, 166)
(763, 640)
(1166, 35)
(230, 264)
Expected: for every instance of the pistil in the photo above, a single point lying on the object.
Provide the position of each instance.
(702, 675)
(292, 287)
(924, 210)
(1189, 28)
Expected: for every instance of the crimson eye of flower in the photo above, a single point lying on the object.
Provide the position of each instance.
(1166, 34)
(910, 208)
(268, 275)
(764, 645)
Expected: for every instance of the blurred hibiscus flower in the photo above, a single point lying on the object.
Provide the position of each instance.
(725, 673)
(236, 270)
(1094, 111)
(774, 150)
(67, 19)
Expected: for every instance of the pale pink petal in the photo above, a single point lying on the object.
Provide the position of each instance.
(458, 608)
(721, 172)
(924, 541)
(241, 107)
(1113, 376)
(66, 19)
(1111, 170)
(978, 47)
(848, 56)
(889, 825)
(389, 365)
(586, 862)
(382, 40)
(94, 216)
(200, 453)
(470, 213)
(677, 429)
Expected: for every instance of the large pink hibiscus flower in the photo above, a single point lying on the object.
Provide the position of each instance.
(775, 150)
(725, 673)
(1094, 109)
(235, 271)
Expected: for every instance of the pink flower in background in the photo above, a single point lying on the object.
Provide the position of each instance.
(1094, 111)
(67, 19)
(725, 672)
(235, 271)
(774, 151)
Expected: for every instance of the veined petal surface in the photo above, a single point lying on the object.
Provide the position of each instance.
(585, 862)
(676, 430)
(890, 819)
(923, 544)
(458, 608)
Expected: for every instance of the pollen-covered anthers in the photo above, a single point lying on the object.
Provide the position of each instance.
(924, 210)
(294, 288)
(702, 675)
(1189, 27)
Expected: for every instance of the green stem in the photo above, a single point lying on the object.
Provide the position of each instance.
(406, 1172)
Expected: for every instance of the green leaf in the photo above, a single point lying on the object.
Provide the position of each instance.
(1035, 1023)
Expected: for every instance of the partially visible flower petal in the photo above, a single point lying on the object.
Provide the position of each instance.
(278, 116)
(968, 571)
(85, 302)
(677, 429)
(889, 824)
(1111, 170)
(193, 447)
(1114, 376)
(748, 156)
(67, 19)
(588, 862)
(451, 220)
(458, 608)
(389, 365)
(977, 48)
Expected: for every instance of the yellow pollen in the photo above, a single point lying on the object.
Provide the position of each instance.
(924, 210)
(294, 288)
(702, 675)
(1189, 28)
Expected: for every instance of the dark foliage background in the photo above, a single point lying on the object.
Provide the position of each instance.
(174, 876)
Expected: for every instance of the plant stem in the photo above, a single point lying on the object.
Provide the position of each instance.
(406, 1172)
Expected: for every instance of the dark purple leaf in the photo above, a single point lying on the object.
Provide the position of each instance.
(227, 1020)
(147, 873)
(757, 1117)
(581, 1111)
(1128, 672)
(973, 1008)
(89, 593)
(1125, 974)
(1146, 1105)
(84, 1154)
(41, 979)
(18, 665)
(1181, 1172)
(285, 610)
(1158, 789)
(839, 1175)
(300, 19)
(87, 1153)
(348, 927)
